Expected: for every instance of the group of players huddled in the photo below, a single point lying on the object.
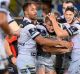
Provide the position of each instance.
(41, 43)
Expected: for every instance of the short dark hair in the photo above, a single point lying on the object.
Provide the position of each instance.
(28, 3)
(72, 9)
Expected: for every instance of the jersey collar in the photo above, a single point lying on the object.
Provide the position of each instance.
(25, 18)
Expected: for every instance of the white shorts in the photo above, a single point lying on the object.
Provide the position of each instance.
(26, 64)
(48, 62)
(74, 67)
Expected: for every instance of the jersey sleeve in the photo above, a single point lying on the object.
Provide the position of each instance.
(42, 30)
(3, 10)
(32, 30)
(72, 30)
(9, 18)
(12, 23)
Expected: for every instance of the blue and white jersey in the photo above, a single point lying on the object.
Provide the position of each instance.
(27, 45)
(4, 3)
(26, 42)
(42, 30)
(9, 17)
(47, 59)
(3, 10)
(74, 32)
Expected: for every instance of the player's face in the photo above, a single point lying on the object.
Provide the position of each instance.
(49, 26)
(32, 11)
(65, 5)
(69, 16)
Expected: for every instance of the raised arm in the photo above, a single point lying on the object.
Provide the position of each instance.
(60, 32)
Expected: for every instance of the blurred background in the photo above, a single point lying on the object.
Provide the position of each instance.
(56, 5)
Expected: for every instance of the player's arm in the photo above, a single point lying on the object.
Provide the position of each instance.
(32, 31)
(48, 42)
(7, 47)
(55, 50)
(9, 53)
(57, 29)
(4, 23)
(14, 27)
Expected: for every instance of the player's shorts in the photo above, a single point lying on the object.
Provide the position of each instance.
(26, 64)
(27, 70)
(47, 62)
(74, 67)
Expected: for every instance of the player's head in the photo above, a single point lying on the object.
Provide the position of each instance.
(30, 10)
(48, 25)
(69, 14)
(4, 3)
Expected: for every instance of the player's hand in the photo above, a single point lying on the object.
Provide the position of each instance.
(13, 59)
(62, 51)
(56, 50)
(51, 16)
(66, 44)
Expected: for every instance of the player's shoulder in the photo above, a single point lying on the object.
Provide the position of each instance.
(3, 10)
(76, 24)
(26, 24)
(39, 26)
